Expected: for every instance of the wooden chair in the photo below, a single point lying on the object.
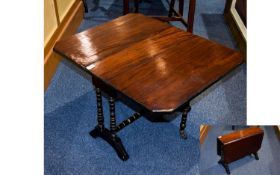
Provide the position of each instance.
(173, 15)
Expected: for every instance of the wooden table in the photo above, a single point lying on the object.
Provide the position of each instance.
(238, 144)
(151, 66)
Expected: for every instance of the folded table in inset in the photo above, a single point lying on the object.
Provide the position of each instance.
(235, 145)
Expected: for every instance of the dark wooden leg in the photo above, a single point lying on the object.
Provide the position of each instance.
(100, 117)
(226, 168)
(125, 7)
(108, 135)
(224, 165)
(171, 7)
(181, 7)
(136, 6)
(85, 6)
(183, 122)
(191, 15)
(256, 156)
(112, 116)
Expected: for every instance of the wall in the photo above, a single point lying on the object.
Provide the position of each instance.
(236, 25)
(50, 21)
(63, 6)
(61, 18)
(238, 20)
(204, 129)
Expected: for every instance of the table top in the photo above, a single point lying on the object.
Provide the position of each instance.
(153, 63)
(237, 135)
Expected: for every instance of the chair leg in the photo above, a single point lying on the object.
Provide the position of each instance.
(181, 7)
(191, 15)
(125, 7)
(85, 6)
(171, 7)
(136, 6)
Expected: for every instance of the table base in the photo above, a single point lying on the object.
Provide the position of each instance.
(109, 135)
(114, 141)
(225, 165)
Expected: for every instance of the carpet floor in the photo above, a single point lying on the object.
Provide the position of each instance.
(268, 164)
(154, 148)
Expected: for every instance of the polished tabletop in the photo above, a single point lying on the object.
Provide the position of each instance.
(153, 63)
(241, 134)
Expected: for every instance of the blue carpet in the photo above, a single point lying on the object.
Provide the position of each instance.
(154, 148)
(268, 154)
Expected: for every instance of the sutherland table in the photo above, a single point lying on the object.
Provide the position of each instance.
(151, 66)
(238, 144)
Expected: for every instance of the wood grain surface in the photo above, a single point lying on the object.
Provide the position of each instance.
(241, 143)
(157, 65)
(237, 135)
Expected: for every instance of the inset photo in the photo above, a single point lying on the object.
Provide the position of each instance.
(239, 150)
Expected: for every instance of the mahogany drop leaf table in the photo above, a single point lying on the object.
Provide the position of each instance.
(151, 66)
(238, 144)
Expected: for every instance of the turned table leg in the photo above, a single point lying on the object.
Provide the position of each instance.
(191, 15)
(104, 133)
(100, 117)
(256, 156)
(183, 122)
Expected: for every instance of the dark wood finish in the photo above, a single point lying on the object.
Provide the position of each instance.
(183, 122)
(228, 6)
(100, 116)
(236, 145)
(191, 15)
(113, 140)
(85, 6)
(241, 8)
(125, 7)
(237, 34)
(181, 7)
(128, 121)
(171, 7)
(173, 15)
(108, 135)
(112, 117)
(175, 65)
(158, 67)
(136, 6)
(109, 38)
